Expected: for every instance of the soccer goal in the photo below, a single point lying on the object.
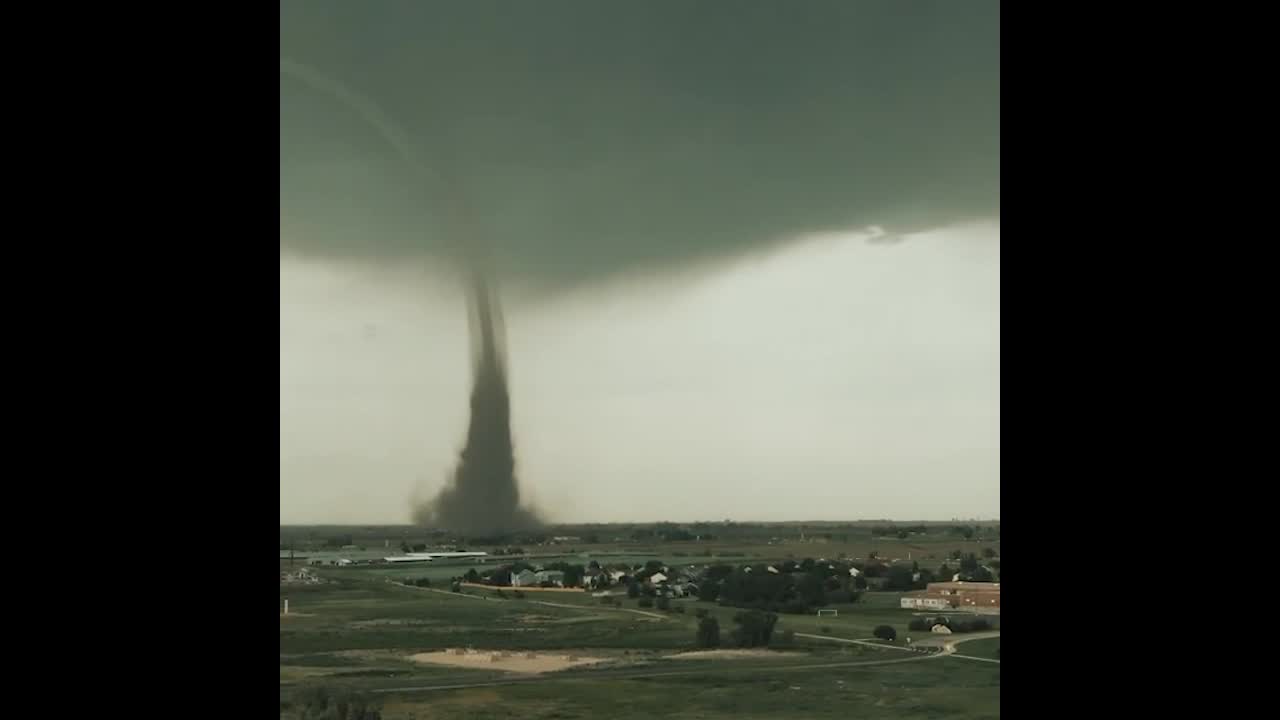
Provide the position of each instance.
(832, 612)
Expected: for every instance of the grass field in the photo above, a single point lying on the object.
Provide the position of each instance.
(359, 629)
(982, 648)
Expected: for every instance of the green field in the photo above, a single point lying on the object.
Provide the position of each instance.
(985, 648)
(358, 629)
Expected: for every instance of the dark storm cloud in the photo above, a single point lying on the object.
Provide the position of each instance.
(594, 136)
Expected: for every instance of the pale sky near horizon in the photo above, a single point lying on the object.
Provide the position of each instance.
(829, 379)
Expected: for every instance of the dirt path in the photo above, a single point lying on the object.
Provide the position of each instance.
(944, 644)
(584, 608)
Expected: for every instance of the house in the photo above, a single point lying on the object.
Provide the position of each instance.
(550, 576)
(524, 578)
(657, 578)
(973, 596)
(967, 595)
(617, 575)
(684, 589)
(922, 601)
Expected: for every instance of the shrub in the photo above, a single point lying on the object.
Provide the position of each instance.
(326, 703)
(918, 624)
(708, 633)
(885, 632)
(645, 602)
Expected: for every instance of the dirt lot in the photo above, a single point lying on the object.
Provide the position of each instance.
(508, 661)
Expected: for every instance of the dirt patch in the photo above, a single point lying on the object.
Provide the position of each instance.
(739, 654)
(518, 662)
(532, 618)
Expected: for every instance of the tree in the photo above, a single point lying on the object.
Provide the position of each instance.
(645, 602)
(472, 576)
(718, 572)
(404, 546)
(810, 591)
(708, 591)
(755, 628)
(988, 553)
(902, 534)
(885, 632)
(573, 575)
(981, 574)
(420, 547)
(633, 590)
(333, 703)
(899, 578)
(708, 633)
(664, 603)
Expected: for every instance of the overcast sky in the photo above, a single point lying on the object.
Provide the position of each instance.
(833, 379)
(671, 195)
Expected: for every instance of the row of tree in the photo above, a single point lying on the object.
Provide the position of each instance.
(754, 629)
(790, 591)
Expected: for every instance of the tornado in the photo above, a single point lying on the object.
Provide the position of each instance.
(481, 496)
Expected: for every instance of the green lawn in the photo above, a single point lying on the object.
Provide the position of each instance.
(927, 689)
(980, 648)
